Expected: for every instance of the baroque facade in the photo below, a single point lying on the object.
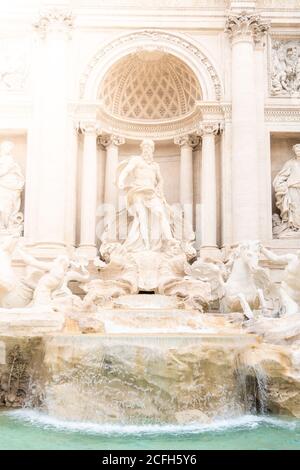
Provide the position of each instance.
(215, 84)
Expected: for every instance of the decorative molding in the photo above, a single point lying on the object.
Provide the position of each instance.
(281, 114)
(204, 111)
(151, 129)
(156, 37)
(210, 127)
(54, 19)
(244, 26)
(215, 111)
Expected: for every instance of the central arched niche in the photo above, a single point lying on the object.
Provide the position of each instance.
(149, 93)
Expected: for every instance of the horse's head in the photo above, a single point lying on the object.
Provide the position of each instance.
(247, 252)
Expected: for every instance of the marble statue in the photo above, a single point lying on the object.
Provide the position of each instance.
(7, 274)
(209, 271)
(15, 291)
(289, 290)
(142, 182)
(285, 75)
(287, 193)
(11, 186)
(246, 281)
(44, 283)
(154, 231)
(117, 275)
(176, 278)
(51, 288)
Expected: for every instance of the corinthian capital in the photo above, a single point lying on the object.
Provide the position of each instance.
(89, 127)
(54, 19)
(107, 140)
(210, 127)
(245, 25)
(189, 140)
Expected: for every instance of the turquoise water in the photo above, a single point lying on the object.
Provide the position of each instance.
(27, 429)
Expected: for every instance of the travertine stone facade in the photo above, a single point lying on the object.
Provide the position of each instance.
(215, 83)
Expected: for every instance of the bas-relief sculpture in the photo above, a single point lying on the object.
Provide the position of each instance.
(14, 64)
(285, 74)
(287, 194)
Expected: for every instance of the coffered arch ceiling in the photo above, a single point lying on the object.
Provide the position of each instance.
(149, 86)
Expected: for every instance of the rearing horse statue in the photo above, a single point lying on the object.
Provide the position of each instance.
(246, 282)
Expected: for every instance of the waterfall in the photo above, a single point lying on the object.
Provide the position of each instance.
(253, 388)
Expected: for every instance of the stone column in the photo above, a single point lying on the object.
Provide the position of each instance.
(243, 29)
(208, 132)
(263, 141)
(88, 189)
(101, 186)
(187, 144)
(48, 189)
(111, 143)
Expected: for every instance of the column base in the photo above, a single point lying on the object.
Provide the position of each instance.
(88, 251)
(210, 252)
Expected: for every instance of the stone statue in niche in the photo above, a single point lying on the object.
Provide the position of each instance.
(287, 193)
(11, 186)
(154, 232)
(285, 74)
(142, 182)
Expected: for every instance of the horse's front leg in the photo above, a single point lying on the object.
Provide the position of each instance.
(245, 306)
(262, 301)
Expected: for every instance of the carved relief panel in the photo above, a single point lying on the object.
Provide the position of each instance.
(14, 63)
(285, 67)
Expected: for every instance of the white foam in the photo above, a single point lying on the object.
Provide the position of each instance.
(37, 418)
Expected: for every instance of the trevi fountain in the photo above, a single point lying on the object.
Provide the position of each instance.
(150, 224)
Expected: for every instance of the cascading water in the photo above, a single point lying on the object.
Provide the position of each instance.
(252, 382)
(130, 379)
(155, 377)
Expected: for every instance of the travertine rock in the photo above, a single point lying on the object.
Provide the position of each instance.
(191, 416)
